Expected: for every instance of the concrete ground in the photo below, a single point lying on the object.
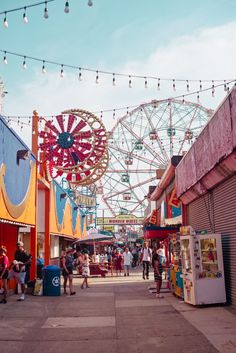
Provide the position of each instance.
(114, 315)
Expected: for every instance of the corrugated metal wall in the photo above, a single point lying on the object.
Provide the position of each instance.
(225, 223)
(216, 212)
(200, 213)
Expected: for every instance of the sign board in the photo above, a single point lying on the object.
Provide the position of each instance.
(121, 219)
(85, 200)
(109, 228)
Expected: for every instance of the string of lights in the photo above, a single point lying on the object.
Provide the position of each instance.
(26, 7)
(113, 75)
(18, 119)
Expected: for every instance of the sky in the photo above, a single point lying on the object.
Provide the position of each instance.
(183, 39)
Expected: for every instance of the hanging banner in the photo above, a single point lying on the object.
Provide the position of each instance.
(174, 201)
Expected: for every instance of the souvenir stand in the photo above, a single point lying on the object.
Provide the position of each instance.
(175, 279)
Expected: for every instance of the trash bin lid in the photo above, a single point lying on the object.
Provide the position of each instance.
(51, 267)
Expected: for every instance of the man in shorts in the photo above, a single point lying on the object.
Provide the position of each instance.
(21, 261)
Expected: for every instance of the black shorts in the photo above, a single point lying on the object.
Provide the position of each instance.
(5, 276)
(66, 274)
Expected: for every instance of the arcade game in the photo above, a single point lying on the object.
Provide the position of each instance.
(203, 270)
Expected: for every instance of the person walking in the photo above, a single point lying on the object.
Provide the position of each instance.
(85, 271)
(67, 264)
(21, 263)
(127, 258)
(4, 265)
(146, 258)
(158, 269)
(118, 262)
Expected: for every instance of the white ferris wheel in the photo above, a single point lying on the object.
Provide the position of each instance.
(142, 142)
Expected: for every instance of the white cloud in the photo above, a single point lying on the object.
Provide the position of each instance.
(207, 54)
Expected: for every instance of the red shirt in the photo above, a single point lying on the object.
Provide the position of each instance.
(4, 262)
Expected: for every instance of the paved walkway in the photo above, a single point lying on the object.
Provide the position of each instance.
(115, 315)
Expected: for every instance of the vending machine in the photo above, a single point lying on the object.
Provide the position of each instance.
(202, 266)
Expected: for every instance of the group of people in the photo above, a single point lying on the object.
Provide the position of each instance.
(18, 269)
(70, 259)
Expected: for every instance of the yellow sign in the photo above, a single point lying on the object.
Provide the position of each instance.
(85, 200)
(120, 220)
(109, 228)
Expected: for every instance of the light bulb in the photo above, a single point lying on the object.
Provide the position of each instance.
(62, 72)
(97, 78)
(5, 23)
(24, 64)
(46, 15)
(130, 82)
(5, 59)
(67, 8)
(80, 75)
(90, 3)
(43, 69)
(25, 18)
(114, 80)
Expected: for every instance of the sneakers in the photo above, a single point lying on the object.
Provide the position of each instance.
(72, 293)
(4, 301)
(159, 296)
(125, 275)
(22, 298)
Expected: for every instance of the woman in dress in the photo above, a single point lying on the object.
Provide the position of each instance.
(118, 262)
(85, 271)
(4, 265)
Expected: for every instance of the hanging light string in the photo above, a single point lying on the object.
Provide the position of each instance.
(226, 84)
(113, 74)
(25, 19)
(24, 8)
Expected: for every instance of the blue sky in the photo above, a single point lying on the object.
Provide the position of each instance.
(167, 38)
(185, 39)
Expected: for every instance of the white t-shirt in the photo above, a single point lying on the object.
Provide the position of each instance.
(147, 253)
(127, 258)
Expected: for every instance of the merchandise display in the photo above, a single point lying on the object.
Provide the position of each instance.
(175, 270)
(203, 271)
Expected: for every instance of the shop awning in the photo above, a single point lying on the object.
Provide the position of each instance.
(159, 232)
(94, 238)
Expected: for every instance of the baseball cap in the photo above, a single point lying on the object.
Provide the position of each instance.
(20, 243)
(69, 249)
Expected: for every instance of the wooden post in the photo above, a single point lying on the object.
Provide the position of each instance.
(34, 231)
(47, 227)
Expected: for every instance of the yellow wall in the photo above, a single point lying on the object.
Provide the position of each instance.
(23, 212)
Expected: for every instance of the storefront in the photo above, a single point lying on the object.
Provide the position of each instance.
(17, 193)
(206, 184)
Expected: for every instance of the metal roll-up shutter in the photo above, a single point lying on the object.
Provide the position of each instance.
(225, 223)
(200, 213)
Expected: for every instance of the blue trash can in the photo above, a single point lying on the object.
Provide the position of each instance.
(51, 281)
